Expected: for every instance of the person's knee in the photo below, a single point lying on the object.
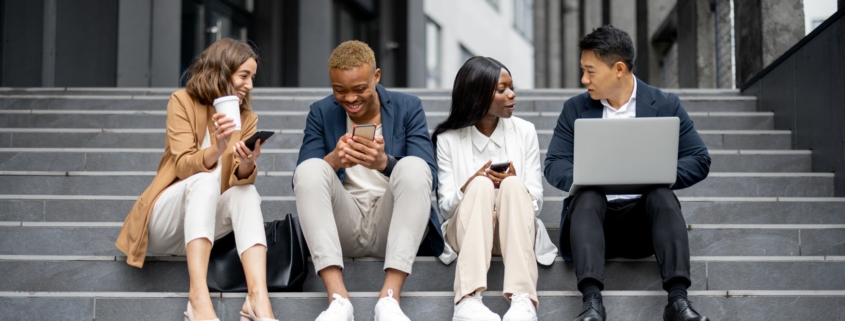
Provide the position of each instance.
(204, 183)
(247, 193)
(512, 183)
(310, 173)
(480, 184)
(589, 200)
(661, 198)
(412, 170)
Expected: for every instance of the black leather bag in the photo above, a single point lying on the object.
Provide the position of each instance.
(287, 264)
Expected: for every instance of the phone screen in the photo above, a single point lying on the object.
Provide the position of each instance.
(500, 167)
(367, 131)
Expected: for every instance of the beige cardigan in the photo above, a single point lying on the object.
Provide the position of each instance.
(187, 123)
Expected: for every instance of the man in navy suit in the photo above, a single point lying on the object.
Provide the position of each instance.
(366, 196)
(595, 226)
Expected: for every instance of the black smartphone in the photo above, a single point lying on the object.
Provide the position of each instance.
(264, 135)
(500, 167)
(367, 131)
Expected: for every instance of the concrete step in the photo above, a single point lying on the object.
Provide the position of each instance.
(111, 274)
(292, 138)
(279, 184)
(426, 306)
(23, 118)
(722, 160)
(97, 239)
(302, 102)
(726, 210)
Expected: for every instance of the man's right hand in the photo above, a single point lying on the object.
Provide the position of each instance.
(337, 158)
(480, 172)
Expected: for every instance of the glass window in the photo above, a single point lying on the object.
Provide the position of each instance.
(432, 54)
(523, 18)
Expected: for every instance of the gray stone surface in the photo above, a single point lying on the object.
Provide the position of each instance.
(429, 308)
(792, 163)
(21, 210)
(146, 120)
(763, 212)
(775, 275)
(761, 186)
(81, 309)
(281, 186)
(773, 141)
(822, 242)
(743, 242)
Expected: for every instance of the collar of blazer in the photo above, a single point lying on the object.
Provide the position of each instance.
(645, 103)
(336, 122)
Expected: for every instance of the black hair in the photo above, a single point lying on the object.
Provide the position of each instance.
(610, 45)
(472, 94)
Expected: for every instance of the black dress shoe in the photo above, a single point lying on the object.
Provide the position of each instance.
(681, 310)
(593, 309)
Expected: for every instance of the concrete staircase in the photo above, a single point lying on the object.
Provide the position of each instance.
(767, 236)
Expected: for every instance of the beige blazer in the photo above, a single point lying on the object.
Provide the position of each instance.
(187, 124)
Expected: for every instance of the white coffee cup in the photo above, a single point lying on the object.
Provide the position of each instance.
(229, 105)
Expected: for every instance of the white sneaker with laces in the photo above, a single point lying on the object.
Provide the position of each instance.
(387, 309)
(472, 309)
(522, 309)
(339, 310)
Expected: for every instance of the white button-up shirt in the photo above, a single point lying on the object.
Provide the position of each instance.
(628, 110)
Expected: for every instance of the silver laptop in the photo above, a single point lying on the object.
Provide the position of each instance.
(625, 156)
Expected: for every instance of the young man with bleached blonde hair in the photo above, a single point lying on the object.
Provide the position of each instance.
(358, 196)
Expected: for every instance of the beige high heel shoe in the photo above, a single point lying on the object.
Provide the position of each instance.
(189, 316)
(250, 316)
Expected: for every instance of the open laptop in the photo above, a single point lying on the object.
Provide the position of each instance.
(625, 156)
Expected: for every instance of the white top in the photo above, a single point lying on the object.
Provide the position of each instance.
(456, 163)
(206, 143)
(628, 110)
(366, 185)
(488, 148)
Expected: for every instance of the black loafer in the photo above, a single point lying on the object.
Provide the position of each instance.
(593, 309)
(681, 310)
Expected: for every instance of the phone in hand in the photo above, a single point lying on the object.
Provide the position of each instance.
(500, 167)
(263, 135)
(366, 131)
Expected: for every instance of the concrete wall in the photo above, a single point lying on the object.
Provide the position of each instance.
(133, 43)
(315, 42)
(765, 30)
(485, 31)
(696, 44)
(804, 90)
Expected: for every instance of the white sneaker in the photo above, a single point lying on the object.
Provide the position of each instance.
(387, 309)
(522, 309)
(472, 309)
(339, 310)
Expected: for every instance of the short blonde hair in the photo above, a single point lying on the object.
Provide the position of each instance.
(351, 54)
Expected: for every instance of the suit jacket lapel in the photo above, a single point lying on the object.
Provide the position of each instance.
(645, 100)
(387, 119)
(203, 115)
(335, 126)
(593, 109)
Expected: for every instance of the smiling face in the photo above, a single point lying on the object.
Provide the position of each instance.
(601, 80)
(243, 77)
(355, 90)
(504, 98)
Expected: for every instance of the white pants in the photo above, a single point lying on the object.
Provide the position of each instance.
(194, 208)
(334, 225)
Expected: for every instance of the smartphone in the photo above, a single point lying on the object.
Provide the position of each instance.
(500, 167)
(367, 131)
(264, 135)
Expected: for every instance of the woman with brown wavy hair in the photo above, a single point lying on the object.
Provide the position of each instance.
(204, 185)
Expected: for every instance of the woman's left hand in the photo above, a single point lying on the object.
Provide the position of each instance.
(497, 177)
(243, 154)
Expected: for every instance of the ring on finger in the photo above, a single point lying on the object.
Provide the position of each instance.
(215, 124)
(249, 156)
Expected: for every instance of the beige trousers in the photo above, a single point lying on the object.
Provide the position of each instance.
(194, 208)
(486, 224)
(335, 226)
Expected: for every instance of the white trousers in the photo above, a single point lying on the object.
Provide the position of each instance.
(194, 208)
(335, 226)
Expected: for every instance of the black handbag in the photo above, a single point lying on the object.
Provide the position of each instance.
(287, 264)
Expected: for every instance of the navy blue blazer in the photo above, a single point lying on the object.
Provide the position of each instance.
(693, 158)
(405, 133)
